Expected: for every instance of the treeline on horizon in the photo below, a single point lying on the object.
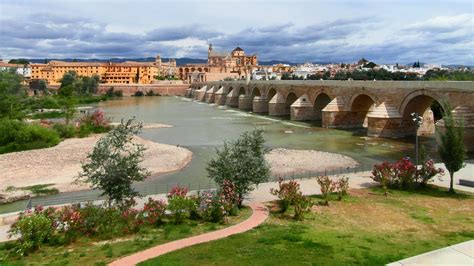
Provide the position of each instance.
(382, 74)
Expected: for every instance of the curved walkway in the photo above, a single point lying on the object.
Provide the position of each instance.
(259, 215)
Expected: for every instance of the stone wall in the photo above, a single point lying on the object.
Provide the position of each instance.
(162, 89)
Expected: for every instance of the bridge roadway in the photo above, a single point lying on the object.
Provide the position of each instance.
(383, 107)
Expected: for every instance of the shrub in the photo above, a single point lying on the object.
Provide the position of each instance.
(426, 172)
(405, 173)
(34, 230)
(290, 194)
(154, 211)
(179, 208)
(65, 131)
(150, 93)
(138, 93)
(286, 193)
(327, 186)
(210, 207)
(384, 174)
(342, 185)
(302, 205)
(178, 204)
(19, 136)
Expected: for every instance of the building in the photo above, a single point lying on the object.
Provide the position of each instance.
(220, 65)
(114, 73)
(23, 70)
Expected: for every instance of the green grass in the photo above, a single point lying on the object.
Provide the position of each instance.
(46, 115)
(36, 190)
(366, 228)
(88, 251)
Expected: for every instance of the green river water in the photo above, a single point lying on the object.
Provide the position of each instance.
(202, 127)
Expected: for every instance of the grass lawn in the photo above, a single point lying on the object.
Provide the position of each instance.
(365, 228)
(100, 252)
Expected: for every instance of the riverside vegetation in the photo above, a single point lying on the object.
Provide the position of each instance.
(16, 106)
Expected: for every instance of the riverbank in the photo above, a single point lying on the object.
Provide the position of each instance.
(284, 161)
(59, 165)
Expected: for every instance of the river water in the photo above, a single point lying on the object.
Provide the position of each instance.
(202, 127)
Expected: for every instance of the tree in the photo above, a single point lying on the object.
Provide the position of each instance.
(20, 61)
(12, 96)
(114, 163)
(68, 78)
(241, 162)
(452, 150)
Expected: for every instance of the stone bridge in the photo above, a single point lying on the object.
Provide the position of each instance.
(383, 107)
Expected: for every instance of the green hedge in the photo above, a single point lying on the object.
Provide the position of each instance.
(19, 136)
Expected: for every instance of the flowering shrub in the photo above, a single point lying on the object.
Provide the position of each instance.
(34, 230)
(178, 204)
(154, 211)
(290, 194)
(286, 193)
(210, 207)
(227, 196)
(327, 186)
(405, 173)
(427, 171)
(342, 185)
(177, 191)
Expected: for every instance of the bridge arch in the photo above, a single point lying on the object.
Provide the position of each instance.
(321, 100)
(256, 92)
(360, 106)
(242, 91)
(290, 99)
(426, 104)
(271, 93)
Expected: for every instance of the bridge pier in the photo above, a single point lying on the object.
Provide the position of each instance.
(384, 121)
(232, 100)
(209, 96)
(277, 106)
(302, 109)
(219, 97)
(199, 94)
(260, 105)
(245, 102)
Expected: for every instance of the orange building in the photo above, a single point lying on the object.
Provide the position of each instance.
(118, 73)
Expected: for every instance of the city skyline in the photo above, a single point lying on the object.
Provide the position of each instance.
(384, 31)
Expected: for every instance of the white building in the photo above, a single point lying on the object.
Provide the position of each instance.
(23, 70)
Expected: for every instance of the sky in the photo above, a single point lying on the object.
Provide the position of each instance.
(383, 31)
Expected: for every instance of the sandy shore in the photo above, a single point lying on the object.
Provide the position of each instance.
(59, 165)
(283, 161)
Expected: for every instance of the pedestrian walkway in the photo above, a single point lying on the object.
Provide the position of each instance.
(459, 254)
(259, 215)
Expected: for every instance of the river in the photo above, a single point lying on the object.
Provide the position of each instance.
(202, 127)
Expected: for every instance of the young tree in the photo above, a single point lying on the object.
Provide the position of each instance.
(452, 150)
(114, 164)
(241, 162)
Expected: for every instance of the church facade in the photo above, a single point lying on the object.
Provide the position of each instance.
(220, 65)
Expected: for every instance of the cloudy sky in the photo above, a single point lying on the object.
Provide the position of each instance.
(385, 31)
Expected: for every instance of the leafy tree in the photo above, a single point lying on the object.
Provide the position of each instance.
(452, 150)
(20, 61)
(114, 164)
(241, 162)
(68, 104)
(68, 78)
(12, 95)
(370, 65)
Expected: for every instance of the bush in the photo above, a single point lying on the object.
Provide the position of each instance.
(34, 230)
(286, 193)
(19, 136)
(210, 207)
(426, 172)
(154, 211)
(178, 204)
(327, 186)
(290, 194)
(65, 131)
(138, 93)
(384, 173)
(405, 173)
(342, 185)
